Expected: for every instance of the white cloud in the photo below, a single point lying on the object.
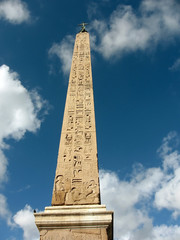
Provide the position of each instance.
(169, 195)
(164, 232)
(175, 66)
(63, 51)
(122, 197)
(131, 205)
(25, 219)
(4, 210)
(128, 30)
(168, 153)
(19, 107)
(132, 200)
(147, 190)
(19, 113)
(14, 11)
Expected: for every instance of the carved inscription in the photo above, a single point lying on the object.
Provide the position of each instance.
(70, 123)
(68, 139)
(76, 180)
(76, 234)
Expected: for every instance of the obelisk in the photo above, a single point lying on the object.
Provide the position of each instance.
(76, 212)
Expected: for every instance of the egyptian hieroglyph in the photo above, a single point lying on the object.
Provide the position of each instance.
(77, 180)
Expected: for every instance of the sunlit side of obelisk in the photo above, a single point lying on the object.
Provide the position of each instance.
(76, 212)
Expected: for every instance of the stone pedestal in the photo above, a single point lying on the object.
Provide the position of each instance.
(80, 222)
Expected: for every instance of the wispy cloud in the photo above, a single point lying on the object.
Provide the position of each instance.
(3, 168)
(92, 9)
(128, 30)
(24, 188)
(4, 210)
(63, 51)
(14, 11)
(175, 66)
(147, 190)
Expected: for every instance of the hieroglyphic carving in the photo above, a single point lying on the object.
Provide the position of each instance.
(71, 101)
(79, 123)
(88, 104)
(87, 149)
(67, 154)
(79, 113)
(85, 191)
(87, 120)
(79, 102)
(77, 180)
(77, 166)
(75, 190)
(87, 138)
(70, 124)
(68, 139)
(74, 234)
(87, 94)
(81, 77)
(78, 140)
(80, 92)
(59, 192)
(78, 149)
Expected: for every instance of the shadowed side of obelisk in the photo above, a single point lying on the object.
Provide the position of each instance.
(77, 180)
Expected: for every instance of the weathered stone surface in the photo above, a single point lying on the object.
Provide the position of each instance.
(76, 222)
(77, 234)
(76, 213)
(77, 179)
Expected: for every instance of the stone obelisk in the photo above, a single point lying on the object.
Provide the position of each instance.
(76, 212)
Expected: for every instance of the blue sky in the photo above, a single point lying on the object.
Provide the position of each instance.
(136, 77)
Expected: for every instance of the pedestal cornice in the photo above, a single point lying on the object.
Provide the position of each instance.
(75, 217)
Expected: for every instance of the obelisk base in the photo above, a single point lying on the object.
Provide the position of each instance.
(77, 222)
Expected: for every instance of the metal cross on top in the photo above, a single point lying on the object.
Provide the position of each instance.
(83, 29)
